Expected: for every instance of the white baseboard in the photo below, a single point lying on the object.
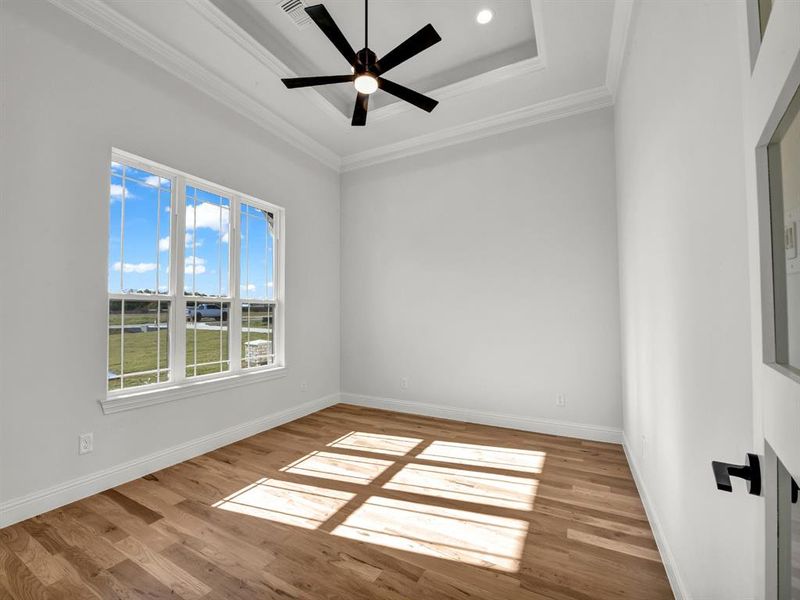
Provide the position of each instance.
(596, 433)
(30, 505)
(667, 557)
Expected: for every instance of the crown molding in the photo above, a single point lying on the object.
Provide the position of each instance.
(102, 17)
(620, 26)
(228, 27)
(542, 112)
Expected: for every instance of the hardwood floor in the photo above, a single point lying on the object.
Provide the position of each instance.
(354, 503)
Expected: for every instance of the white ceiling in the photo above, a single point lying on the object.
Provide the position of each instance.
(536, 60)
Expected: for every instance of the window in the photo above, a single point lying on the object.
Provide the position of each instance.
(207, 275)
(193, 280)
(783, 156)
(140, 221)
(257, 277)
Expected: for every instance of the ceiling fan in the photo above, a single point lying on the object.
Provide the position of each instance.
(366, 69)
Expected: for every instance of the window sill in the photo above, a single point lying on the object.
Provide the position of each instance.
(133, 400)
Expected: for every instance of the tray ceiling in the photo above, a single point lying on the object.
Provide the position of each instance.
(468, 49)
(537, 60)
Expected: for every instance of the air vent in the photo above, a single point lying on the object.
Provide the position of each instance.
(296, 11)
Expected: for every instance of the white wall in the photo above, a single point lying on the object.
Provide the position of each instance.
(684, 286)
(69, 95)
(486, 274)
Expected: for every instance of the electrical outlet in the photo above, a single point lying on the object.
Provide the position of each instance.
(303, 386)
(404, 383)
(85, 443)
(561, 400)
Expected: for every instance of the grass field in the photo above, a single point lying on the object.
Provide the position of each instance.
(142, 351)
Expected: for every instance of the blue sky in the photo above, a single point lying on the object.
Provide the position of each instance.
(145, 199)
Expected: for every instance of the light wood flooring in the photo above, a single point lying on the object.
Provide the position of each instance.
(352, 503)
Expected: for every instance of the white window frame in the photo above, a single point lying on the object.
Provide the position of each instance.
(180, 386)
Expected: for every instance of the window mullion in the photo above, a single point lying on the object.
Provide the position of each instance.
(176, 270)
(278, 290)
(235, 315)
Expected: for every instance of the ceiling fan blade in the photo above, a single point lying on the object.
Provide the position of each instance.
(325, 22)
(360, 111)
(410, 96)
(422, 40)
(298, 82)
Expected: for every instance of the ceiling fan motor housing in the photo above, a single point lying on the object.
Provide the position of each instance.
(366, 62)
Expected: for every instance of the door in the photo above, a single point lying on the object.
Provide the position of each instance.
(772, 154)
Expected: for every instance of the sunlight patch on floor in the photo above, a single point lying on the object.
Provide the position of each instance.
(285, 502)
(457, 535)
(466, 536)
(340, 467)
(512, 459)
(469, 486)
(376, 442)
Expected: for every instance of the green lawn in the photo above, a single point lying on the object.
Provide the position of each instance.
(141, 354)
(141, 351)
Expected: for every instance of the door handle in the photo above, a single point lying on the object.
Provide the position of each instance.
(795, 491)
(750, 472)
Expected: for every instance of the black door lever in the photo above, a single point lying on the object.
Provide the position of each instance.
(751, 472)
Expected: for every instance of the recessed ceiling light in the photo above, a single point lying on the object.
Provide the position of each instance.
(484, 16)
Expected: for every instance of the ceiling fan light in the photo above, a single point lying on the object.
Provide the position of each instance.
(366, 84)
(484, 16)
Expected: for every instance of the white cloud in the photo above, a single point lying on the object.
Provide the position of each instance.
(196, 265)
(208, 215)
(163, 243)
(115, 192)
(251, 287)
(135, 267)
(152, 180)
(192, 241)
